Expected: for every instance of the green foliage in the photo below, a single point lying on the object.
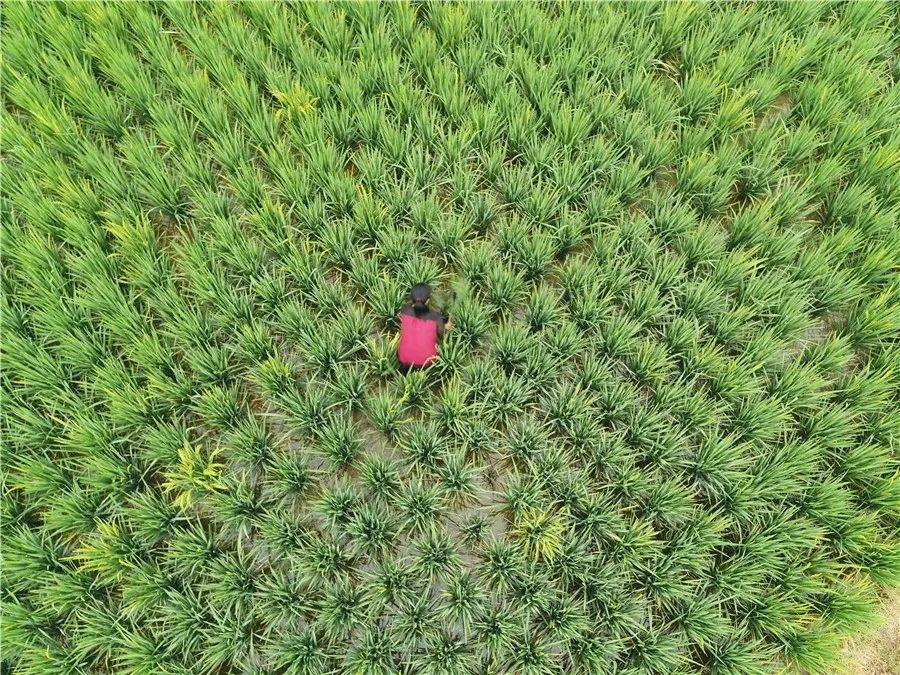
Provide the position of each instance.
(661, 431)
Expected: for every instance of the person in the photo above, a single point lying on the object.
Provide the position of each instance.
(420, 328)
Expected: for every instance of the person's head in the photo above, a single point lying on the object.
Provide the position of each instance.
(420, 295)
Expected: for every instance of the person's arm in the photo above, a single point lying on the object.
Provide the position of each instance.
(438, 317)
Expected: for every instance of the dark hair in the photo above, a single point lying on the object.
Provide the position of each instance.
(420, 293)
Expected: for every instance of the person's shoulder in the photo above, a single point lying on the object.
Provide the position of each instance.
(434, 315)
(408, 310)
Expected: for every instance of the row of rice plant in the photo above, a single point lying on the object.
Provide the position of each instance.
(661, 434)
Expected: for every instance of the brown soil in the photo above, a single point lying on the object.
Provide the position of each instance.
(877, 653)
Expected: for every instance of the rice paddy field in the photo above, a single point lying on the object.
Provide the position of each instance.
(661, 435)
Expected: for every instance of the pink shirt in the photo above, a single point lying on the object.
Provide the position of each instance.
(418, 340)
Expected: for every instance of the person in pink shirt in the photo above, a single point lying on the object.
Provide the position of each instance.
(420, 328)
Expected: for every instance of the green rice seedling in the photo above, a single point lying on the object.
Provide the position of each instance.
(564, 622)
(385, 413)
(473, 529)
(382, 355)
(285, 597)
(587, 312)
(525, 439)
(874, 318)
(100, 109)
(511, 235)
(220, 408)
(300, 652)
(251, 442)
(576, 278)
(541, 368)
(535, 255)
(423, 446)
(230, 149)
(503, 288)
(364, 272)
(626, 184)
(425, 213)
(416, 620)
(645, 304)
(570, 232)
(649, 363)
(35, 555)
(462, 180)
(396, 144)
(531, 592)
(282, 532)
(542, 308)
(520, 494)
(541, 205)
(451, 407)
(516, 182)
(238, 509)
(341, 127)
(386, 299)
(508, 397)
(381, 478)
(192, 549)
(420, 507)
(272, 292)
(232, 582)
(339, 242)
(331, 297)
(162, 442)
(74, 512)
(155, 183)
(447, 237)
(307, 409)
(479, 377)
(474, 260)
(482, 211)
(344, 607)
(470, 317)
(414, 389)
(436, 555)
(540, 533)
(564, 342)
(445, 653)
(349, 386)
(509, 343)
(391, 584)
(353, 328)
(302, 265)
(338, 505)
(548, 469)
(324, 558)
(495, 628)
(274, 377)
(374, 655)
(339, 442)
(373, 530)
(458, 479)
(421, 167)
(478, 439)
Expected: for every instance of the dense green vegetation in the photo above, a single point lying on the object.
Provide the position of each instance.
(661, 436)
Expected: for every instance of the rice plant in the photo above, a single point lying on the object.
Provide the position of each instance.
(660, 434)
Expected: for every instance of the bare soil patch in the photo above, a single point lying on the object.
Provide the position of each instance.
(877, 653)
